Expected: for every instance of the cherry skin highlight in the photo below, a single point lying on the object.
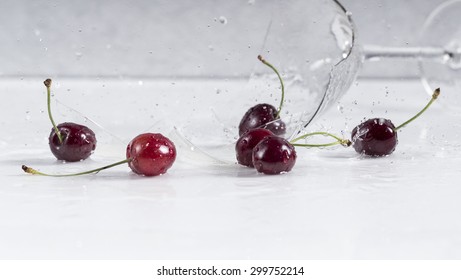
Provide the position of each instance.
(150, 154)
(274, 155)
(375, 137)
(78, 142)
(262, 116)
(246, 143)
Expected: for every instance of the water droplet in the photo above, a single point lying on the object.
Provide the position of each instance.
(218, 91)
(341, 108)
(223, 19)
(140, 83)
(251, 2)
(211, 47)
(78, 55)
(37, 32)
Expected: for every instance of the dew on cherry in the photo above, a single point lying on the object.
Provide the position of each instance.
(374, 137)
(274, 155)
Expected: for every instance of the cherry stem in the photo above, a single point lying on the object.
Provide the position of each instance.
(434, 97)
(340, 141)
(97, 170)
(281, 84)
(47, 83)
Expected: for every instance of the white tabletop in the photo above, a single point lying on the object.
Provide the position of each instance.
(335, 204)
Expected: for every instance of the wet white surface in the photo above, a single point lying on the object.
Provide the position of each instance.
(335, 204)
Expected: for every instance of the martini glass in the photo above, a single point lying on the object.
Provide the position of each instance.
(320, 57)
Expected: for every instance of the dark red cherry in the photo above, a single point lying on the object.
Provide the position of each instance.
(150, 154)
(246, 143)
(375, 137)
(262, 116)
(78, 142)
(274, 155)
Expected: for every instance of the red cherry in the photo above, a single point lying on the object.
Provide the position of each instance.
(69, 141)
(150, 154)
(374, 137)
(246, 143)
(262, 116)
(78, 142)
(274, 155)
(265, 115)
(378, 136)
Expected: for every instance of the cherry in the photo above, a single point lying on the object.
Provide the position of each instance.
(374, 137)
(264, 115)
(151, 154)
(274, 155)
(148, 154)
(78, 142)
(246, 143)
(69, 141)
(378, 137)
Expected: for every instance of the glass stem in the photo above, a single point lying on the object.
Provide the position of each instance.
(372, 51)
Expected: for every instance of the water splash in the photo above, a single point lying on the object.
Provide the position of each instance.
(222, 20)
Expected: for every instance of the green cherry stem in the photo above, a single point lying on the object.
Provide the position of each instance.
(316, 145)
(282, 99)
(339, 140)
(434, 97)
(35, 172)
(47, 83)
